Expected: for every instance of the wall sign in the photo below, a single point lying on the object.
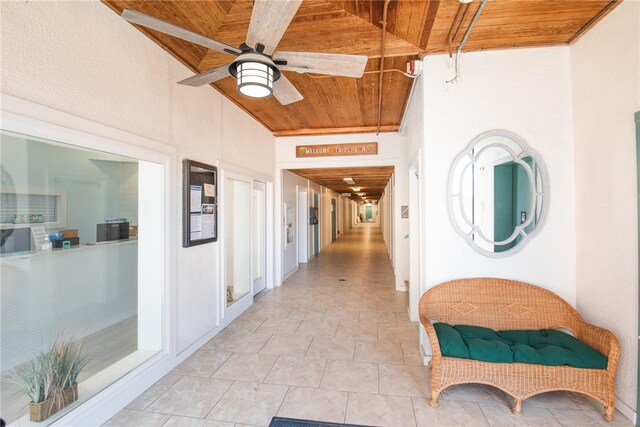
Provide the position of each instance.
(200, 204)
(331, 150)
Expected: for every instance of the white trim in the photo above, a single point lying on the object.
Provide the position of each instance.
(18, 115)
(627, 411)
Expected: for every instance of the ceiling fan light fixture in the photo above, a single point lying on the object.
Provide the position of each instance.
(255, 79)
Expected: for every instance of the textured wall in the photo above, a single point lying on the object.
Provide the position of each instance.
(606, 92)
(526, 91)
(83, 59)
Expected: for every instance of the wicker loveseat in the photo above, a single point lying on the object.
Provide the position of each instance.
(505, 305)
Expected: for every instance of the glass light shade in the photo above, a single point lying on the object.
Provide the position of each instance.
(255, 79)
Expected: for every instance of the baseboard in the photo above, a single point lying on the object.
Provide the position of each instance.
(101, 407)
(289, 274)
(627, 411)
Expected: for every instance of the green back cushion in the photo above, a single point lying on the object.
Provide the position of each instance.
(451, 342)
(544, 347)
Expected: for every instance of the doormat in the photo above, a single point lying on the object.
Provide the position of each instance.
(292, 422)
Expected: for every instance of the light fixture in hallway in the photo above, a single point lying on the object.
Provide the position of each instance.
(355, 189)
(349, 180)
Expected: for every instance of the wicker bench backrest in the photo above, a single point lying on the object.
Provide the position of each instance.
(499, 304)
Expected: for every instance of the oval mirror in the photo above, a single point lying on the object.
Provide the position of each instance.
(498, 193)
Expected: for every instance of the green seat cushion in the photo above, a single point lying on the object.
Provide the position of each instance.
(485, 344)
(545, 347)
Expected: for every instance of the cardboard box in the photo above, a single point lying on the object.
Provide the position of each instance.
(71, 232)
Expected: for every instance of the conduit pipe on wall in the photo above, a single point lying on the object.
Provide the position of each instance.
(384, 36)
(461, 14)
(483, 3)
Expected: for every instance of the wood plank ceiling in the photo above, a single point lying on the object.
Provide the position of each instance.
(415, 28)
(370, 180)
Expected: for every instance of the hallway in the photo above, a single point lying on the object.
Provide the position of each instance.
(334, 343)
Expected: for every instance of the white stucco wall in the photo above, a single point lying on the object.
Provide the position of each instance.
(526, 91)
(606, 93)
(82, 58)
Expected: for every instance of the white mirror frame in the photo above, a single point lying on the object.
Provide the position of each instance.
(538, 196)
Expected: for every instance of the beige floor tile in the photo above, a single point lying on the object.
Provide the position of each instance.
(501, 415)
(346, 375)
(314, 404)
(246, 367)
(412, 354)
(307, 313)
(384, 317)
(274, 312)
(359, 333)
(475, 393)
(448, 413)
(580, 417)
(298, 371)
(393, 333)
(176, 421)
(279, 326)
(202, 363)
(322, 328)
(314, 305)
(191, 397)
(244, 342)
(214, 342)
(328, 348)
(287, 345)
(249, 403)
(402, 380)
(554, 399)
(154, 392)
(378, 352)
(133, 418)
(377, 410)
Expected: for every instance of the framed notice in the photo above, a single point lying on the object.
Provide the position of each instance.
(200, 203)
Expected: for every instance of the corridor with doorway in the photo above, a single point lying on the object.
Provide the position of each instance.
(333, 344)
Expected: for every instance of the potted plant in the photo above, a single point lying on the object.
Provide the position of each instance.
(50, 380)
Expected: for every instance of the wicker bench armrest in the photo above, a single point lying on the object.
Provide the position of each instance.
(433, 338)
(602, 340)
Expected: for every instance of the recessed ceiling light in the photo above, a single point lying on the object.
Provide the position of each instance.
(355, 189)
(348, 180)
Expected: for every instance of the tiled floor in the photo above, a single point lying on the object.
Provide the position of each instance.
(334, 343)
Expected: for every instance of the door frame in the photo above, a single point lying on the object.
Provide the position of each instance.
(637, 120)
(263, 187)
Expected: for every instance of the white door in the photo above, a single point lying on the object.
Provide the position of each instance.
(259, 237)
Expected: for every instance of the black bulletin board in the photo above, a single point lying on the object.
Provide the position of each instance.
(199, 203)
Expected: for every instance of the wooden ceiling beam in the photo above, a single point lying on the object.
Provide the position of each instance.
(336, 130)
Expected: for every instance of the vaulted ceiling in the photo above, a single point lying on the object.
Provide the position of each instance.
(414, 28)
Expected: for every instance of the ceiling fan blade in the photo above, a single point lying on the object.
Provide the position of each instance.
(207, 77)
(269, 21)
(147, 21)
(323, 63)
(285, 91)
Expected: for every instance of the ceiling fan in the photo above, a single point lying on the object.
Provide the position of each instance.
(257, 66)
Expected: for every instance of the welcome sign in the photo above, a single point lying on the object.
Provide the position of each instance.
(330, 150)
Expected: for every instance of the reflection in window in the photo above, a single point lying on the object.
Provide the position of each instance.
(70, 269)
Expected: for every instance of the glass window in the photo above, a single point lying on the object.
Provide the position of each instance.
(79, 287)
